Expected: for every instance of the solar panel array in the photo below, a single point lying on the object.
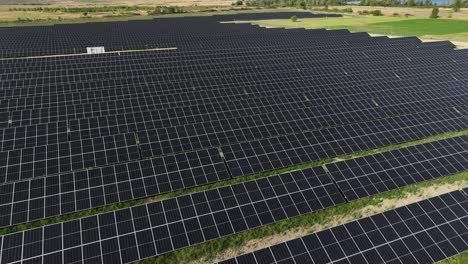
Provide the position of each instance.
(86, 131)
(368, 175)
(423, 232)
(156, 228)
(120, 36)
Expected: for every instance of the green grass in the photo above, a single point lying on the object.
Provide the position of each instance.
(207, 251)
(421, 27)
(457, 259)
(435, 28)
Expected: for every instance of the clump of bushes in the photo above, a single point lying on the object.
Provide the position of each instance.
(238, 3)
(23, 20)
(162, 10)
(371, 12)
(345, 10)
(335, 10)
(294, 18)
(434, 13)
(396, 15)
(457, 5)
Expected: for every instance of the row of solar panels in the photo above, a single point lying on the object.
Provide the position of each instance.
(156, 228)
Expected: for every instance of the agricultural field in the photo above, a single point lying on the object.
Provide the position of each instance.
(231, 135)
(425, 28)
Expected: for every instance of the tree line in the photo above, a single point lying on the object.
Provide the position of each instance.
(294, 3)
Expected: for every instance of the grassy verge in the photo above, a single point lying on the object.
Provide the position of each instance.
(207, 252)
(450, 29)
(122, 205)
(457, 259)
(405, 145)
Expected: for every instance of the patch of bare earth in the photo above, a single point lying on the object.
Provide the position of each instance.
(385, 204)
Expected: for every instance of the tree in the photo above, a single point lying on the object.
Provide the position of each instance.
(435, 12)
(457, 5)
(294, 18)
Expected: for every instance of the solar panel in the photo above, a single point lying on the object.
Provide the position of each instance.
(422, 232)
(368, 175)
(463, 111)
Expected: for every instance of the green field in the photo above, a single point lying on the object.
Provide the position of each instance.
(444, 29)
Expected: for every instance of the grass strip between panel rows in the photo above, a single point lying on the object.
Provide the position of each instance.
(461, 258)
(122, 205)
